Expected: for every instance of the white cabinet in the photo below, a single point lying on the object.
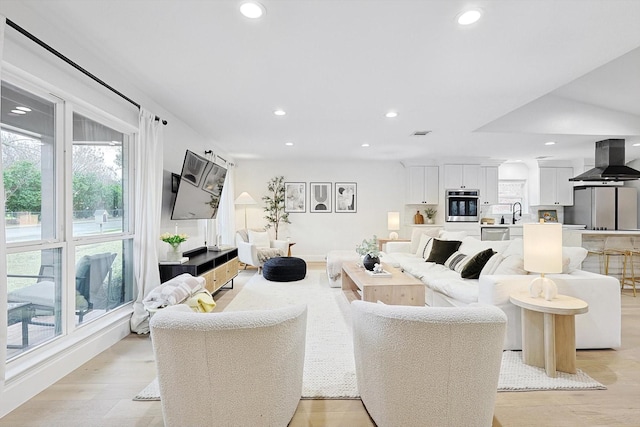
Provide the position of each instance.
(461, 176)
(488, 185)
(554, 186)
(423, 185)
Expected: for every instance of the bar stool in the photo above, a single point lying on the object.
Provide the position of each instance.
(630, 280)
(616, 247)
(622, 247)
(599, 252)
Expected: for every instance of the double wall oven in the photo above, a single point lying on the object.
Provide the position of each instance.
(461, 205)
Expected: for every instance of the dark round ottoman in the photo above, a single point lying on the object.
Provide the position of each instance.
(284, 269)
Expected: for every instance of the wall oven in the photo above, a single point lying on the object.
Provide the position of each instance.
(461, 205)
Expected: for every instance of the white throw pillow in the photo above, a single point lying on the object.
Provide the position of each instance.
(425, 241)
(473, 245)
(417, 233)
(572, 258)
(512, 264)
(493, 263)
(259, 238)
(515, 247)
(457, 261)
(452, 235)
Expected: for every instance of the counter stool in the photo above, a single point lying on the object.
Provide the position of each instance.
(630, 280)
(622, 246)
(616, 247)
(599, 252)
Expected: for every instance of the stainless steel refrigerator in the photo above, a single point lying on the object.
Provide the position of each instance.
(604, 208)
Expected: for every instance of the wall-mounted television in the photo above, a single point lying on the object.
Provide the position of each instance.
(199, 189)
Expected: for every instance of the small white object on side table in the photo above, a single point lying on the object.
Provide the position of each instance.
(548, 331)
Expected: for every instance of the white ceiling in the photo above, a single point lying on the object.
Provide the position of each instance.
(528, 72)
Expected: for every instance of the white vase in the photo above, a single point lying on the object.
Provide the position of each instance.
(174, 254)
(429, 220)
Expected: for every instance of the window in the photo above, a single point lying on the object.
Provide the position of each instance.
(28, 163)
(68, 234)
(99, 158)
(509, 192)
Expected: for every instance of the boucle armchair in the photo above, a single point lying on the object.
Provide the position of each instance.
(229, 369)
(255, 247)
(419, 366)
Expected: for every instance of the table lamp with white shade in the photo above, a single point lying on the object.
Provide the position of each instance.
(393, 224)
(245, 200)
(542, 254)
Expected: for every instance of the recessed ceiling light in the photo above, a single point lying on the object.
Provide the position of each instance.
(391, 114)
(252, 9)
(469, 17)
(289, 144)
(27, 109)
(280, 112)
(550, 143)
(18, 112)
(365, 145)
(637, 144)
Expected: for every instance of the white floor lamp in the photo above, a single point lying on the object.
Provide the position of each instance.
(245, 200)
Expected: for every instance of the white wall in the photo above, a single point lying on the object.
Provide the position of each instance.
(380, 187)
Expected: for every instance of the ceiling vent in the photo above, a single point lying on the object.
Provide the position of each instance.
(421, 133)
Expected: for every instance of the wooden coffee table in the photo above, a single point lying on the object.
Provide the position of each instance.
(399, 289)
(548, 331)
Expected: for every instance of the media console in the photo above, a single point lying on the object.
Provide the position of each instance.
(216, 267)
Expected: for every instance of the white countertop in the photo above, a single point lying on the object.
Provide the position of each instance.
(567, 226)
(612, 232)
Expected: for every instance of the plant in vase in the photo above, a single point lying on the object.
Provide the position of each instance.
(174, 240)
(431, 214)
(370, 251)
(274, 204)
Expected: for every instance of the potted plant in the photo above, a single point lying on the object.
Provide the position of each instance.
(430, 213)
(274, 204)
(370, 251)
(174, 240)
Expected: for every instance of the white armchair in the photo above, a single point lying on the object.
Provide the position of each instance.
(231, 368)
(255, 247)
(418, 366)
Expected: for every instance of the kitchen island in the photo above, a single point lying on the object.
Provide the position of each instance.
(595, 240)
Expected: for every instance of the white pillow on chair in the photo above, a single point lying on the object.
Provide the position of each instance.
(259, 238)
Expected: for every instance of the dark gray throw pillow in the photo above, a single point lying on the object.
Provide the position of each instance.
(473, 268)
(442, 250)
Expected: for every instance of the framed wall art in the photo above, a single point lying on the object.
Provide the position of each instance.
(346, 197)
(550, 215)
(295, 197)
(320, 197)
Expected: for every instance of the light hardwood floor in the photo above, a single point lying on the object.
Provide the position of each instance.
(99, 393)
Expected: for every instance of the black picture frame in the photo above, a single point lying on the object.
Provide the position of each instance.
(295, 197)
(346, 197)
(320, 197)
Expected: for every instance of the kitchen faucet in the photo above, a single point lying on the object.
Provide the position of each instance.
(513, 209)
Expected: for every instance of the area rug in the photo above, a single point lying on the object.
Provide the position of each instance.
(516, 376)
(329, 367)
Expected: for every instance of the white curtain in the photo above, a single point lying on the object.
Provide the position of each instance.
(149, 161)
(226, 212)
(3, 254)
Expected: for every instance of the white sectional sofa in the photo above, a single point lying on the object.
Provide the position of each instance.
(504, 274)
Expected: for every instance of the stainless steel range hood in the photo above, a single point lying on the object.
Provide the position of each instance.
(609, 164)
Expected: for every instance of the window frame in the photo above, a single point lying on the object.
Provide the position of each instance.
(65, 105)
